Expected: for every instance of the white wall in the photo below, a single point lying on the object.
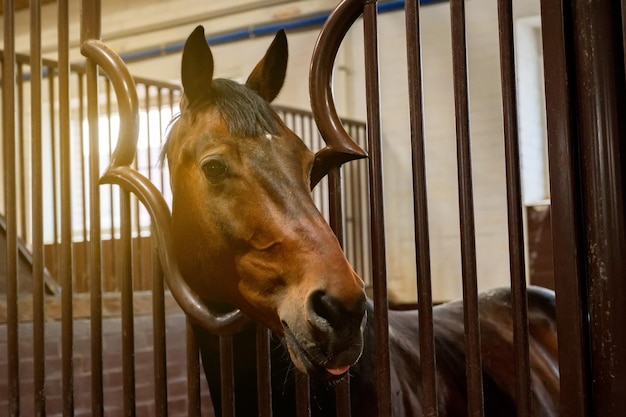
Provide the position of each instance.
(236, 59)
(439, 125)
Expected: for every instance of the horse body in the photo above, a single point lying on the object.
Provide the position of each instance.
(246, 233)
(497, 356)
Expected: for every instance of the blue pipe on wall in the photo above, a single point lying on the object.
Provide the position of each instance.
(255, 31)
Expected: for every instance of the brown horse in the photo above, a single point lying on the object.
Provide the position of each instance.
(247, 233)
(245, 229)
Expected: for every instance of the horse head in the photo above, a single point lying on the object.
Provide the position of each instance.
(245, 228)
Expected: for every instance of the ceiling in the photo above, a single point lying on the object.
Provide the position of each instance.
(22, 4)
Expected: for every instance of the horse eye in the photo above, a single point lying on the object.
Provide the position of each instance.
(214, 168)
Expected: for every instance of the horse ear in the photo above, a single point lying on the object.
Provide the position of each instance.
(268, 76)
(197, 66)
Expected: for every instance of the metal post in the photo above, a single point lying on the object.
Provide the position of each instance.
(601, 94)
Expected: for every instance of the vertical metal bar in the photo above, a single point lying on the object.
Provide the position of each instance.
(514, 203)
(335, 209)
(21, 158)
(420, 207)
(90, 29)
(142, 278)
(128, 333)
(342, 398)
(37, 213)
(601, 99)
(8, 132)
(109, 113)
(565, 209)
(95, 238)
(365, 206)
(360, 207)
(565, 196)
(65, 269)
(303, 394)
(159, 339)
(81, 131)
(162, 129)
(149, 144)
(193, 374)
(161, 132)
(361, 235)
(335, 206)
(264, 374)
(379, 265)
(54, 159)
(227, 376)
(315, 141)
(466, 211)
(351, 201)
(623, 3)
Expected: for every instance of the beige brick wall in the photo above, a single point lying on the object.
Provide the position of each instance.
(112, 368)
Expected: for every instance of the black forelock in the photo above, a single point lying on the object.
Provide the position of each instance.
(245, 112)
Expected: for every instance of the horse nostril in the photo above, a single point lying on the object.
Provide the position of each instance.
(326, 310)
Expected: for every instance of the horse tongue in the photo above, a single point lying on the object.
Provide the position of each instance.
(337, 371)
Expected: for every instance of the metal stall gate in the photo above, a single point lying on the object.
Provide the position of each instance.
(585, 50)
(584, 46)
(87, 326)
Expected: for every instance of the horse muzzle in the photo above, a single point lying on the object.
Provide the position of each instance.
(330, 339)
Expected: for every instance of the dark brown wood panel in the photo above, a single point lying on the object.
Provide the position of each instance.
(540, 259)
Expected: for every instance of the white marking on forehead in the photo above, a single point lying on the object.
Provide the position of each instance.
(268, 136)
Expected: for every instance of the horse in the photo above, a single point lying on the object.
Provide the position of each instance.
(246, 233)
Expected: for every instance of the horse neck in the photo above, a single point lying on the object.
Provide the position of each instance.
(403, 332)
(404, 360)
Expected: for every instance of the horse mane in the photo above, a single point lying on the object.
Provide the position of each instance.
(166, 139)
(246, 113)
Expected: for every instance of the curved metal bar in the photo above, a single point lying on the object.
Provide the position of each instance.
(133, 181)
(126, 93)
(340, 148)
(120, 173)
